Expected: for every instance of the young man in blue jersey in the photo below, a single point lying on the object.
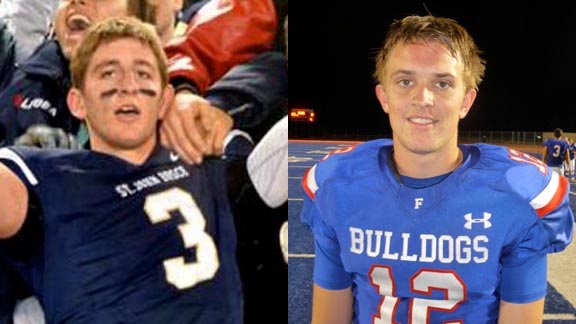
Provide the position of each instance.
(419, 229)
(126, 232)
(556, 152)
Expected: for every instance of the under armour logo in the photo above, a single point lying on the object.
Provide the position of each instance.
(470, 220)
(418, 203)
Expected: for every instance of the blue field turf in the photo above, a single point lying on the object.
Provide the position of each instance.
(303, 155)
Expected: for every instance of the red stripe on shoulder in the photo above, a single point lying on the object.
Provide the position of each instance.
(556, 199)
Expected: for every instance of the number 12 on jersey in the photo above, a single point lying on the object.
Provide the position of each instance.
(423, 282)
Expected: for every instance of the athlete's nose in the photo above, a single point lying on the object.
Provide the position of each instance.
(423, 96)
(129, 85)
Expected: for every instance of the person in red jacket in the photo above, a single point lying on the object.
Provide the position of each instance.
(201, 56)
(208, 49)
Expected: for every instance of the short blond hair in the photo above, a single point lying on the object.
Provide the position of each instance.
(112, 29)
(446, 31)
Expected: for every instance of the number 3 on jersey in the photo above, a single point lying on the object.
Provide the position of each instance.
(179, 273)
(423, 282)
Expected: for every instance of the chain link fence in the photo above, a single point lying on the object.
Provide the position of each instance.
(308, 131)
(525, 141)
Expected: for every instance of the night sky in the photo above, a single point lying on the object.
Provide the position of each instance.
(530, 80)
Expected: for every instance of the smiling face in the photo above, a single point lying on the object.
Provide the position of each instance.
(73, 18)
(424, 94)
(122, 97)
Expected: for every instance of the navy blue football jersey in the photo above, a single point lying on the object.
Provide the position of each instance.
(438, 253)
(121, 243)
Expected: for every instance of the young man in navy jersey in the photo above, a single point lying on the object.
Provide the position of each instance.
(125, 232)
(419, 229)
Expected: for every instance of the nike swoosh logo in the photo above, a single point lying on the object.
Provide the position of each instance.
(174, 157)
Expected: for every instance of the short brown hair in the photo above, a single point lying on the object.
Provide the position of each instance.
(111, 29)
(416, 29)
(558, 132)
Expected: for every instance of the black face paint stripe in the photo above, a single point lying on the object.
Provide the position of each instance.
(148, 92)
(111, 92)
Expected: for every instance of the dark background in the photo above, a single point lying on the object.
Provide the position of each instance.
(530, 80)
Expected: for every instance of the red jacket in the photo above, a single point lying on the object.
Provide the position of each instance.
(221, 35)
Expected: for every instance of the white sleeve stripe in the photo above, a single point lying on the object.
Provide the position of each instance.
(311, 180)
(8, 154)
(547, 194)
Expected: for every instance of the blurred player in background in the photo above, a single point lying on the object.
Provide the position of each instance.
(570, 166)
(556, 152)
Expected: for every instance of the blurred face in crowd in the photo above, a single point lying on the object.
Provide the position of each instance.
(73, 17)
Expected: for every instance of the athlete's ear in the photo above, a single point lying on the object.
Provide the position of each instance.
(469, 98)
(382, 97)
(75, 102)
(166, 101)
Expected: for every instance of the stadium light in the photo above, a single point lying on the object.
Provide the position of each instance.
(302, 115)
